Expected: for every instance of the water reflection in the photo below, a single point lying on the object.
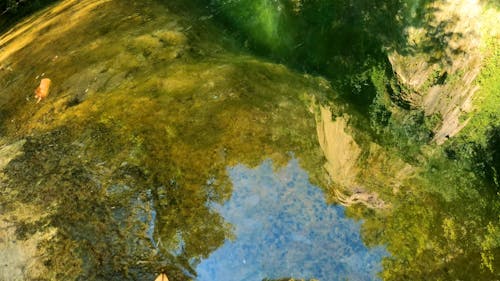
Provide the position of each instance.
(284, 228)
(143, 111)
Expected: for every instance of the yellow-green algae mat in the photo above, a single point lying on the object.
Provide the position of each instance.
(145, 104)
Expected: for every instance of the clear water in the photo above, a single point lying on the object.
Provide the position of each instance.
(282, 226)
(165, 144)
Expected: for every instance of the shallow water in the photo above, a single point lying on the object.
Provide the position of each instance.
(166, 145)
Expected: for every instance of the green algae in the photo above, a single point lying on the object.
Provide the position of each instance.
(142, 117)
(149, 107)
(264, 21)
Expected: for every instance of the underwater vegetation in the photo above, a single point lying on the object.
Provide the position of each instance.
(270, 137)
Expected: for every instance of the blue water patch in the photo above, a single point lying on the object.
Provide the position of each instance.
(284, 228)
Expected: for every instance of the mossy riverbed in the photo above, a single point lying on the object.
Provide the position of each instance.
(128, 167)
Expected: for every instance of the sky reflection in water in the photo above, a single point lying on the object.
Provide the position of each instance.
(284, 228)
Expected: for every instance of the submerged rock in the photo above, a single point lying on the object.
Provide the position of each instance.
(9, 152)
(439, 76)
(150, 109)
(124, 162)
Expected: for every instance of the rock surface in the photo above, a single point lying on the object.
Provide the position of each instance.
(439, 75)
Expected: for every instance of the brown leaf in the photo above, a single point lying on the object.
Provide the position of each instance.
(43, 90)
(162, 277)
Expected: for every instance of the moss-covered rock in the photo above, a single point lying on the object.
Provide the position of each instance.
(124, 156)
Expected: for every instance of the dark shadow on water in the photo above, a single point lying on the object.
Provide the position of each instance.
(341, 40)
(12, 11)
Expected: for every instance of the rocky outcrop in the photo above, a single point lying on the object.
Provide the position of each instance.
(440, 63)
(340, 149)
(357, 172)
